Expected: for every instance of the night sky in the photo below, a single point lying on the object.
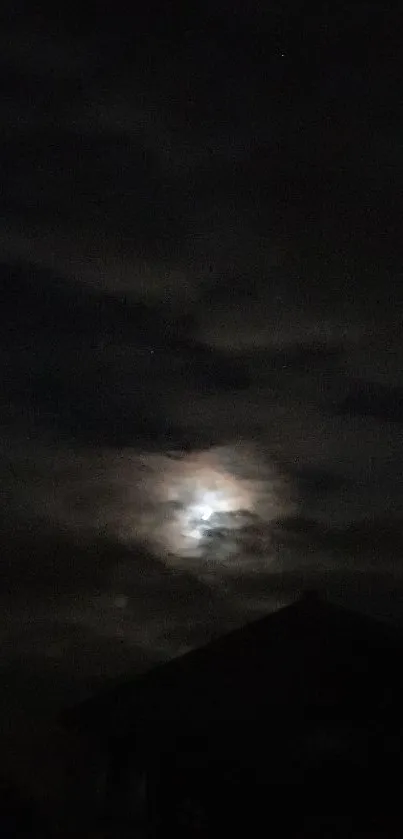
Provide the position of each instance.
(200, 328)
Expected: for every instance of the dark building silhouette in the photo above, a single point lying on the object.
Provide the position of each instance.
(291, 724)
(18, 815)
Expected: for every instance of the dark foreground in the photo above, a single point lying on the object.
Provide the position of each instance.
(289, 726)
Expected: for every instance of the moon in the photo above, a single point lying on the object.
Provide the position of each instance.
(203, 494)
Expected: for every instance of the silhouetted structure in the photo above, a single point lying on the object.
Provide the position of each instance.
(18, 815)
(291, 723)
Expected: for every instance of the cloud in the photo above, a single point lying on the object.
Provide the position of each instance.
(373, 399)
(99, 368)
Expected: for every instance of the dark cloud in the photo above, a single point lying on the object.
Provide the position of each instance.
(373, 399)
(93, 181)
(371, 541)
(314, 480)
(97, 367)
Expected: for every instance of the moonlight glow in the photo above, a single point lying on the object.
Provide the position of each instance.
(216, 506)
(199, 517)
(201, 503)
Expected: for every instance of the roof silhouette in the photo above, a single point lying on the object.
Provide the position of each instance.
(309, 654)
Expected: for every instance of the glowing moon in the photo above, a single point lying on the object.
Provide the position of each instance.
(196, 516)
(197, 495)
